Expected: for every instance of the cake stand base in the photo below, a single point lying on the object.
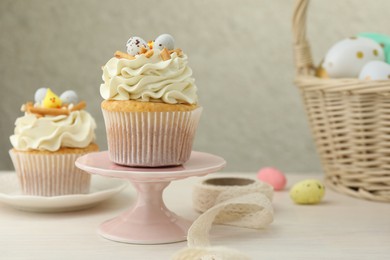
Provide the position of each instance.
(148, 221)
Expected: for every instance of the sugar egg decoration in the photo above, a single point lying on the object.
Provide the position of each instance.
(346, 58)
(307, 192)
(164, 41)
(375, 70)
(39, 95)
(134, 45)
(273, 177)
(69, 97)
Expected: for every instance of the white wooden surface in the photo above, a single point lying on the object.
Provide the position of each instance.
(340, 227)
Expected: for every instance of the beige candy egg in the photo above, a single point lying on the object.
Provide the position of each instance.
(346, 58)
(375, 70)
(307, 192)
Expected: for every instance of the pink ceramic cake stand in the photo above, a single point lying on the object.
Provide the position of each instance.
(148, 221)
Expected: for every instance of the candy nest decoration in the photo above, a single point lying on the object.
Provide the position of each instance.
(347, 102)
(47, 103)
(148, 221)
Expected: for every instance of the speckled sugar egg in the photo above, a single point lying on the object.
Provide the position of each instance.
(273, 177)
(164, 40)
(375, 70)
(69, 97)
(307, 192)
(346, 58)
(40, 94)
(134, 45)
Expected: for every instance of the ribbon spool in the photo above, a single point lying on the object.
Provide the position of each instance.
(210, 192)
(231, 201)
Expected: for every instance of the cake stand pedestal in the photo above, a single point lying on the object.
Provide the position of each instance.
(148, 221)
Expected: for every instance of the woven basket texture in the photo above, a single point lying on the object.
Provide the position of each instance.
(350, 122)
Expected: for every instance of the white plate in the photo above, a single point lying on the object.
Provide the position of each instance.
(101, 189)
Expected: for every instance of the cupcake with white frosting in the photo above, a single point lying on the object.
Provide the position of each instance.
(47, 140)
(151, 109)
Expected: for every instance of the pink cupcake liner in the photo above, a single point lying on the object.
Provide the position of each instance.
(49, 174)
(150, 139)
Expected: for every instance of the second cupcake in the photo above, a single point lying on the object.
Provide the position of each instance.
(47, 140)
(151, 109)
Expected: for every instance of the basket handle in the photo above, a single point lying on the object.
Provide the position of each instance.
(303, 58)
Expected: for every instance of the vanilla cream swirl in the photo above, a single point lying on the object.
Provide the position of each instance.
(149, 79)
(53, 132)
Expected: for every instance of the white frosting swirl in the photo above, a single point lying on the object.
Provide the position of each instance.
(53, 132)
(149, 79)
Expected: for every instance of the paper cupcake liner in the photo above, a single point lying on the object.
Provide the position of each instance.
(49, 174)
(150, 139)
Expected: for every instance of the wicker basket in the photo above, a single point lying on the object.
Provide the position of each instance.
(350, 121)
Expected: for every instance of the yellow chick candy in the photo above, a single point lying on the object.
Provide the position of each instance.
(51, 100)
(307, 192)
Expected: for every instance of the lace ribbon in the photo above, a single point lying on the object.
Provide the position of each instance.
(228, 201)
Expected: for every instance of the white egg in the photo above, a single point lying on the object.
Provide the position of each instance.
(134, 45)
(375, 70)
(39, 95)
(69, 97)
(164, 40)
(346, 58)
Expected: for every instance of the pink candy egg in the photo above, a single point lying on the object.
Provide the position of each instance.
(272, 176)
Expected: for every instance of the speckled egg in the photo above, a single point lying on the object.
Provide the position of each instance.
(375, 70)
(307, 192)
(69, 97)
(39, 95)
(382, 39)
(346, 58)
(134, 45)
(273, 177)
(164, 40)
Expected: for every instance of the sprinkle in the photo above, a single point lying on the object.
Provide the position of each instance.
(149, 53)
(165, 54)
(120, 55)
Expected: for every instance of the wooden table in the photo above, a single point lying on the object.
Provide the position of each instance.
(341, 227)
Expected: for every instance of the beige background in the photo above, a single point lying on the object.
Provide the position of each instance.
(240, 52)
